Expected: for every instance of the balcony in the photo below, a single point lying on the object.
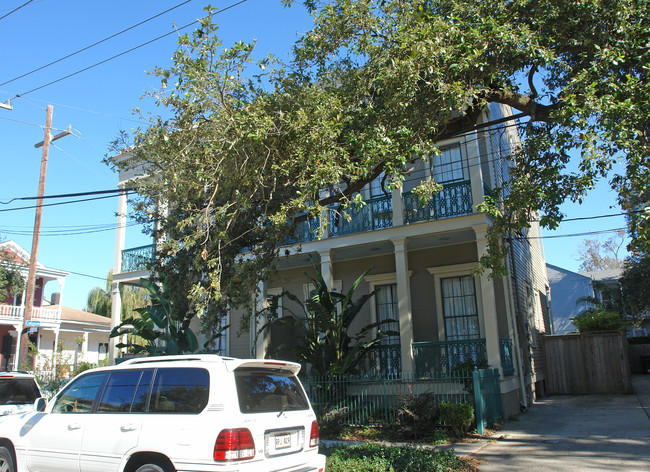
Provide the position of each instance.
(381, 361)
(138, 258)
(377, 213)
(455, 199)
(15, 313)
(441, 359)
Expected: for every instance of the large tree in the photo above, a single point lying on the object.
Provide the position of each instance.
(247, 144)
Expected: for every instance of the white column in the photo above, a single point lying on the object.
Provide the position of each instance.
(474, 164)
(488, 303)
(116, 319)
(326, 268)
(120, 233)
(404, 304)
(84, 346)
(261, 344)
(398, 206)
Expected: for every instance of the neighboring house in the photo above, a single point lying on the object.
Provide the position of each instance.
(83, 336)
(569, 289)
(424, 261)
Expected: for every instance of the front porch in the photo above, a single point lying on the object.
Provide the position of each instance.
(435, 359)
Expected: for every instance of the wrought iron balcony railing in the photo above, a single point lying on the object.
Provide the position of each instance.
(377, 213)
(455, 199)
(381, 361)
(138, 258)
(505, 346)
(440, 359)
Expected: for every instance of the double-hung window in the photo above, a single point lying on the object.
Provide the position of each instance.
(449, 165)
(459, 308)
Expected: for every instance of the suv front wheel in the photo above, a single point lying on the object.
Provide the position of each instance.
(6, 460)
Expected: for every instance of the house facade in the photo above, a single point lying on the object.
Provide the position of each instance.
(76, 335)
(424, 261)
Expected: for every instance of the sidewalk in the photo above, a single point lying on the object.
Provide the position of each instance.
(574, 433)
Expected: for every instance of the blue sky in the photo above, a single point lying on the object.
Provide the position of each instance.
(97, 103)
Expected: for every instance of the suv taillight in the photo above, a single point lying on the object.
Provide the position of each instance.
(234, 445)
(314, 436)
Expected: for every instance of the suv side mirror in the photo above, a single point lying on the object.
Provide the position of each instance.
(40, 404)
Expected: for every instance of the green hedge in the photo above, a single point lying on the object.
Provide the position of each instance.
(378, 458)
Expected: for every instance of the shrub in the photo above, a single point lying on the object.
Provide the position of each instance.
(457, 416)
(598, 320)
(379, 458)
(333, 421)
(418, 416)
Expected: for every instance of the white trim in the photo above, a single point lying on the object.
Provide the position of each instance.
(458, 270)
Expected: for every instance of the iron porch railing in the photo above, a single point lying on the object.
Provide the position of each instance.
(138, 258)
(440, 359)
(455, 199)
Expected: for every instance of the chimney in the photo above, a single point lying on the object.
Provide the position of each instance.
(56, 298)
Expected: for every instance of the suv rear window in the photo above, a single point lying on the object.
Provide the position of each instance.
(262, 391)
(15, 391)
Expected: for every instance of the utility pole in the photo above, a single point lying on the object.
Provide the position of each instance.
(33, 259)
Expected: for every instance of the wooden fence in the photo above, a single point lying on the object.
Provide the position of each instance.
(587, 363)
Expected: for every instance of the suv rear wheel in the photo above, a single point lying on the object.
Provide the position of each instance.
(146, 468)
(6, 460)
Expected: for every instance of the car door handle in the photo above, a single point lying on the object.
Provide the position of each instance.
(73, 426)
(128, 427)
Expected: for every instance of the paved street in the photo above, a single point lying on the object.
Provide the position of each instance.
(576, 433)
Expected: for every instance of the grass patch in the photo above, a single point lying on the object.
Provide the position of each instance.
(378, 458)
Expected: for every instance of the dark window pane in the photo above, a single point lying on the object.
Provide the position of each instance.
(264, 392)
(178, 390)
(142, 392)
(78, 397)
(119, 391)
(15, 391)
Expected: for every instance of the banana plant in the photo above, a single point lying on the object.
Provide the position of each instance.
(324, 326)
(162, 333)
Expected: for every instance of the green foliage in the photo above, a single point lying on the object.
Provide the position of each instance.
(244, 146)
(157, 326)
(635, 287)
(100, 300)
(418, 416)
(598, 320)
(377, 458)
(459, 417)
(324, 326)
(11, 280)
(333, 421)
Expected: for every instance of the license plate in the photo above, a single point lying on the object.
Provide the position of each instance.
(282, 441)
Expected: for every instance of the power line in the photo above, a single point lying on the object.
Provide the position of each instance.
(16, 9)
(125, 52)
(56, 204)
(67, 195)
(93, 44)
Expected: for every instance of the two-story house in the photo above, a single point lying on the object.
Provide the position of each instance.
(424, 260)
(82, 336)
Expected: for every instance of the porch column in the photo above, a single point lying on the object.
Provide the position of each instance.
(488, 303)
(404, 305)
(261, 344)
(475, 173)
(120, 233)
(398, 207)
(116, 319)
(326, 268)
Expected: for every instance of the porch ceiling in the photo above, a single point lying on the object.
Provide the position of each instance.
(376, 248)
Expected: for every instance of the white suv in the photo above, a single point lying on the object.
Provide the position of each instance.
(167, 414)
(18, 391)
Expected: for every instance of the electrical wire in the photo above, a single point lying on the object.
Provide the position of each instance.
(176, 30)
(56, 204)
(16, 9)
(93, 44)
